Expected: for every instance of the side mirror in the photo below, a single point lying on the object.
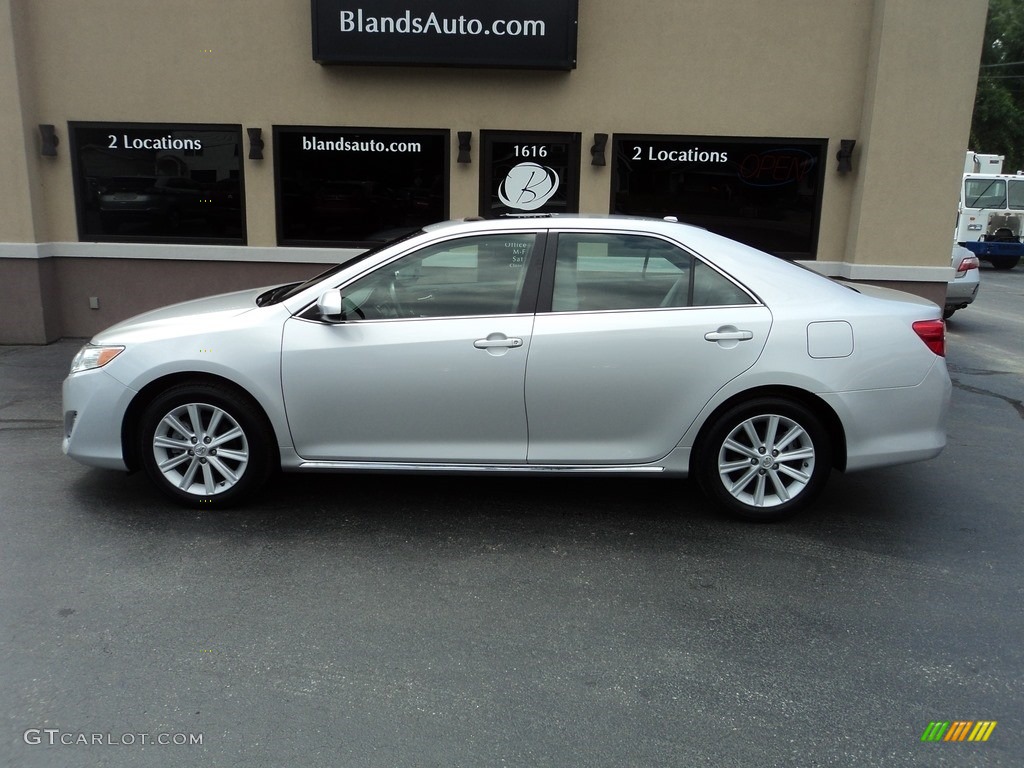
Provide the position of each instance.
(331, 305)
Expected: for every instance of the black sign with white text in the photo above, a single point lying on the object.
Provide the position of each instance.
(527, 172)
(339, 186)
(765, 192)
(158, 183)
(519, 34)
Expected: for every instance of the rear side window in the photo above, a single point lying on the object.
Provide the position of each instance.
(595, 272)
(710, 289)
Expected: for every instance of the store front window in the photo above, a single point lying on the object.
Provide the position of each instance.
(529, 173)
(763, 192)
(353, 186)
(143, 182)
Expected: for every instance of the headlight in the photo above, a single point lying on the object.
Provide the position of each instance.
(91, 356)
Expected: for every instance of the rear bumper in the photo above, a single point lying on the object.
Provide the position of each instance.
(895, 426)
(962, 292)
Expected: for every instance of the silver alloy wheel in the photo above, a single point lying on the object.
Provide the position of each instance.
(200, 449)
(766, 460)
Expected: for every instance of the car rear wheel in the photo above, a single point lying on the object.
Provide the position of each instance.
(205, 445)
(764, 460)
(1008, 262)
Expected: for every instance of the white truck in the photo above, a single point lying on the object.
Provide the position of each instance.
(990, 219)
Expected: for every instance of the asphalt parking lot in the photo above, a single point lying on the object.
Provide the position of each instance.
(372, 621)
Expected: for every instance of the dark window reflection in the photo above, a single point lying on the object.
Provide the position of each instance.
(158, 183)
(337, 186)
(765, 193)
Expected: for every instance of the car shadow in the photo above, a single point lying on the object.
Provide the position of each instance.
(294, 501)
(470, 513)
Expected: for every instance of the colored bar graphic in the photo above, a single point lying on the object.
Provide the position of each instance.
(958, 730)
(982, 730)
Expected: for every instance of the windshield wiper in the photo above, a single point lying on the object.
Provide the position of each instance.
(274, 294)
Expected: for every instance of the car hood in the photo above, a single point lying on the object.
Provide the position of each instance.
(207, 312)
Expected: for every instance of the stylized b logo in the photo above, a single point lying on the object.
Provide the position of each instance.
(528, 186)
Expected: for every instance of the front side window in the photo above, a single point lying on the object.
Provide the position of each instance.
(614, 272)
(458, 278)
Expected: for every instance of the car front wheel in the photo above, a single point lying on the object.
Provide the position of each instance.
(764, 460)
(204, 445)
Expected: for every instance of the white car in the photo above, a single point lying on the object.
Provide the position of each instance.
(572, 345)
(963, 288)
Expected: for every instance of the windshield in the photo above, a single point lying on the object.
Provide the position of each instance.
(283, 292)
(984, 193)
(1016, 195)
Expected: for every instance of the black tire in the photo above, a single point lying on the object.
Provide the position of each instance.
(948, 313)
(205, 445)
(1008, 262)
(736, 467)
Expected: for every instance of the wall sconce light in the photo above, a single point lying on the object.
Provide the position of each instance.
(255, 143)
(597, 151)
(48, 148)
(465, 145)
(845, 155)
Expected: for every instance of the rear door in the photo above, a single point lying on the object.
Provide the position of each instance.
(636, 337)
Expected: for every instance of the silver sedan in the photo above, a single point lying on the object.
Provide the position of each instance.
(963, 288)
(554, 345)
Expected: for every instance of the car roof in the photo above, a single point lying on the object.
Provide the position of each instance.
(685, 234)
(554, 221)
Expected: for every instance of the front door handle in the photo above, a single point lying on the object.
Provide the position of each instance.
(503, 341)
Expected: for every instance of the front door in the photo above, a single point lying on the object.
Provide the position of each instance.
(428, 365)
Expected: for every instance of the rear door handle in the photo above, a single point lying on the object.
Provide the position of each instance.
(729, 335)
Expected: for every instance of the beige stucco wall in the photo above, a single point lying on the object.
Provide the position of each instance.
(896, 75)
(776, 69)
(922, 75)
(17, 162)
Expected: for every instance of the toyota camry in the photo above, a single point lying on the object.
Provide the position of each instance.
(561, 345)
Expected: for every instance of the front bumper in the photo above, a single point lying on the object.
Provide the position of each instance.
(94, 408)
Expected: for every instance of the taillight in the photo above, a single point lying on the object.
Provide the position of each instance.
(968, 263)
(933, 334)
